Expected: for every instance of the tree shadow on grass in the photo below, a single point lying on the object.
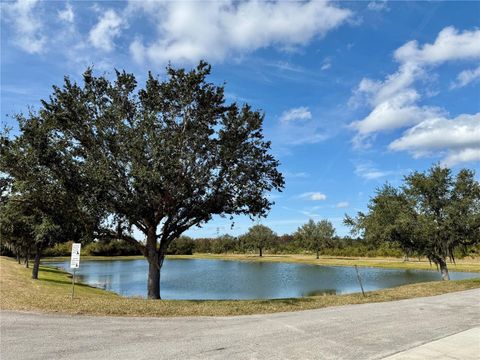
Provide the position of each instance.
(55, 271)
(65, 282)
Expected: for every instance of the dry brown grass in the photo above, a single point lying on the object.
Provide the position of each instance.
(51, 293)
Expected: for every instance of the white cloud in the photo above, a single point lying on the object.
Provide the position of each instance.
(464, 155)
(394, 102)
(342, 205)
(314, 196)
(67, 14)
(189, 31)
(327, 64)
(459, 136)
(369, 171)
(466, 77)
(26, 24)
(295, 175)
(296, 126)
(449, 45)
(398, 111)
(300, 113)
(109, 26)
(378, 6)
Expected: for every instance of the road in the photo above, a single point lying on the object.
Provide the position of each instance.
(368, 331)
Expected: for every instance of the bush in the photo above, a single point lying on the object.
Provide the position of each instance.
(111, 248)
(61, 249)
(183, 245)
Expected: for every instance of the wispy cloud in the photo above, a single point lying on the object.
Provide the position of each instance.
(369, 171)
(67, 14)
(297, 126)
(342, 205)
(314, 196)
(300, 113)
(466, 77)
(108, 27)
(326, 64)
(378, 5)
(296, 175)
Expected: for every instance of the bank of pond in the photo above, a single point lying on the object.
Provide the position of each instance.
(207, 279)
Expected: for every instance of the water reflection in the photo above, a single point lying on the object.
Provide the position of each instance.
(216, 279)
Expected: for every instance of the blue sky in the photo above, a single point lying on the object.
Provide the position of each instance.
(354, 93)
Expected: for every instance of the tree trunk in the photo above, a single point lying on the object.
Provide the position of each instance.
(153, 287)
(318, 254)
(443, 269)
(36, 263)
(18, 257)
(260, 251)
(27, 258)
(153, 278)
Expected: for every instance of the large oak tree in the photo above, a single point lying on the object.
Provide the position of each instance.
(163, 157)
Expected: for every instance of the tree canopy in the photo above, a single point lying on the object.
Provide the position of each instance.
(258, 237)
(39, 206)
(432, 213)
(316, 236)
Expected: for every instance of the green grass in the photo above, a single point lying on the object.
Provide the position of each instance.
(52, 293)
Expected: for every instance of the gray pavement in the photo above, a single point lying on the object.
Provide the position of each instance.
(461, 346)
(368, 331)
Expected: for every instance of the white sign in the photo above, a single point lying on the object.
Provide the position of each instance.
(75, 259)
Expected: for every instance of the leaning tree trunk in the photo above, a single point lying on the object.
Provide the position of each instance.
(36, 263)
(443, 269)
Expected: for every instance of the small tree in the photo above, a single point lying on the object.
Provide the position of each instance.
(165, 157)
(316, 236)
(432, 214)
(259, 237)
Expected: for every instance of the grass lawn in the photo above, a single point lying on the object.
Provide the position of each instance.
(467, 264)
(51, 293)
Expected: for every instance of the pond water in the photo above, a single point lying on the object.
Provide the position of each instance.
(218, 279)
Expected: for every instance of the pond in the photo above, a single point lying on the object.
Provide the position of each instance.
(218, 279)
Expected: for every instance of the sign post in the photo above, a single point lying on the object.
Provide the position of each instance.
(75, 263)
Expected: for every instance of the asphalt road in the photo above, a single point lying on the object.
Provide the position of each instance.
(369, 331)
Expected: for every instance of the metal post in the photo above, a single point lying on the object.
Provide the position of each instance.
(73, 283)
(359, 280)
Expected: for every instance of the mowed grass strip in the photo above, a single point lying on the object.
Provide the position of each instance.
(51, 293)
(466, 264)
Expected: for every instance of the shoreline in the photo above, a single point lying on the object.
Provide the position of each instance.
(462, 265)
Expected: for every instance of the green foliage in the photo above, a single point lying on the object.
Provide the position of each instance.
(259, 237)
(433, 214)
(184, 245)
(38, 208)
(315, 236)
